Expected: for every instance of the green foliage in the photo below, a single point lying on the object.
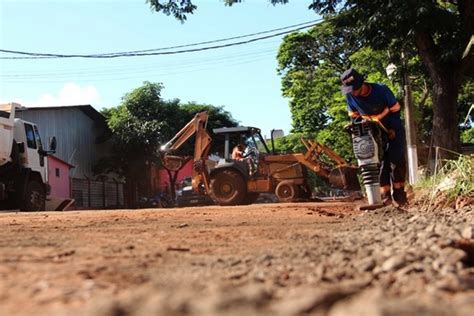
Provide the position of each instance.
(455, 179)
(180, 9)
(435, 31)
(139, 124)
(144, 121)
(218, 116)
(466, 101)
(467, 136)
(310, 63)
(290, 143)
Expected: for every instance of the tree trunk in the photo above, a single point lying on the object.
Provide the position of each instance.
(445, 115)
(446, 79)
(172, 185)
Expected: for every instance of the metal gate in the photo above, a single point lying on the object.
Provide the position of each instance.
(94, 194)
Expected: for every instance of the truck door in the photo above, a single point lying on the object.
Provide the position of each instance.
(32, 146)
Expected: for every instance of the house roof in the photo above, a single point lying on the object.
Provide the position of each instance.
(61, 161)
(87, 109)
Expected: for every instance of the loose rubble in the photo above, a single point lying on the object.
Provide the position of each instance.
(386, 262)
(383, 262)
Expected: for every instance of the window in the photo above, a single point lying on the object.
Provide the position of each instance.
(30, 136)
(57, 173)
(37, 137)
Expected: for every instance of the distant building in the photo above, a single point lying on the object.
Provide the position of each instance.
(277, 133)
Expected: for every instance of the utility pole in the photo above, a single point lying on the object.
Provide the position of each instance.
(409, 126)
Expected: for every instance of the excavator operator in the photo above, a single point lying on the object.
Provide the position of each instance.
(245, 153)
(238, 152)
(375, 102)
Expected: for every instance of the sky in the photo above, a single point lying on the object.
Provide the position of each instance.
(243, 79)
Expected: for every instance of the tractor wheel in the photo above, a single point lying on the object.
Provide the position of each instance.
(228, 188)
(35, 197)
(251, 198)
(287, 191)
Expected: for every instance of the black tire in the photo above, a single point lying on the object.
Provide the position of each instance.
(34, 197)
(228, 187)
(287, 192)
(251, 198)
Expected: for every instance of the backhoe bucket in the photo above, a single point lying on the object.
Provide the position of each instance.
(345, 177)
(173, 163)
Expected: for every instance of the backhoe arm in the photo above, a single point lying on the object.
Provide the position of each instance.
(201, 149)
(196, 126)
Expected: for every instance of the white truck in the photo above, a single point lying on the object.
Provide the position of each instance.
(23, 163)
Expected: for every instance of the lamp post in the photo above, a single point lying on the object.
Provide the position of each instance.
(409, 122)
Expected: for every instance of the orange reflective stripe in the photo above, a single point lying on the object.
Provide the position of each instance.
(398, 185)
(385, 188)
(380, 116)
(354, 114)
(395, 108)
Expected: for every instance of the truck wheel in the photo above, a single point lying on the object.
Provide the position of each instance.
(35, 197)
(228, 188)
(286, 191)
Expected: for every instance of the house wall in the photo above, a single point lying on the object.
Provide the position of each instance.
(58, 178)
(75, 133)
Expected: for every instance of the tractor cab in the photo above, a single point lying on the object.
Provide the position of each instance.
(249, 136)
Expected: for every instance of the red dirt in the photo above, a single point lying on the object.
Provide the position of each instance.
(58, 263)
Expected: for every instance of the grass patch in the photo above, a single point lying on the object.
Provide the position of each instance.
(452, 182)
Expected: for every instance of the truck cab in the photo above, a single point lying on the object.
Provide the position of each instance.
(23, 163)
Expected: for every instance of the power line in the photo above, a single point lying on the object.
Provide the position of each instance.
(137, 73)
(135, 67)
(158, 51)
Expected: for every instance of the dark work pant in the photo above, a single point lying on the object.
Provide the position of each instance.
(393, 167)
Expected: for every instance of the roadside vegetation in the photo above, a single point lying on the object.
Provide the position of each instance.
(452, 184)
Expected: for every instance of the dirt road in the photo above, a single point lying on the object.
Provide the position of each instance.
(267, 259)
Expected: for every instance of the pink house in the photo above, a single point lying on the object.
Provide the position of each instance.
(59, 180)
(186, 171)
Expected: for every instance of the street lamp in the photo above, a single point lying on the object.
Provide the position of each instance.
(409, 122)
(390, 70)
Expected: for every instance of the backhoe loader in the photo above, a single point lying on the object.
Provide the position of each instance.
(231, 182)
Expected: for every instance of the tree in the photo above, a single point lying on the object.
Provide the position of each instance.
(440, 30)
(310, 64)
(180, 9)
(139, 125)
